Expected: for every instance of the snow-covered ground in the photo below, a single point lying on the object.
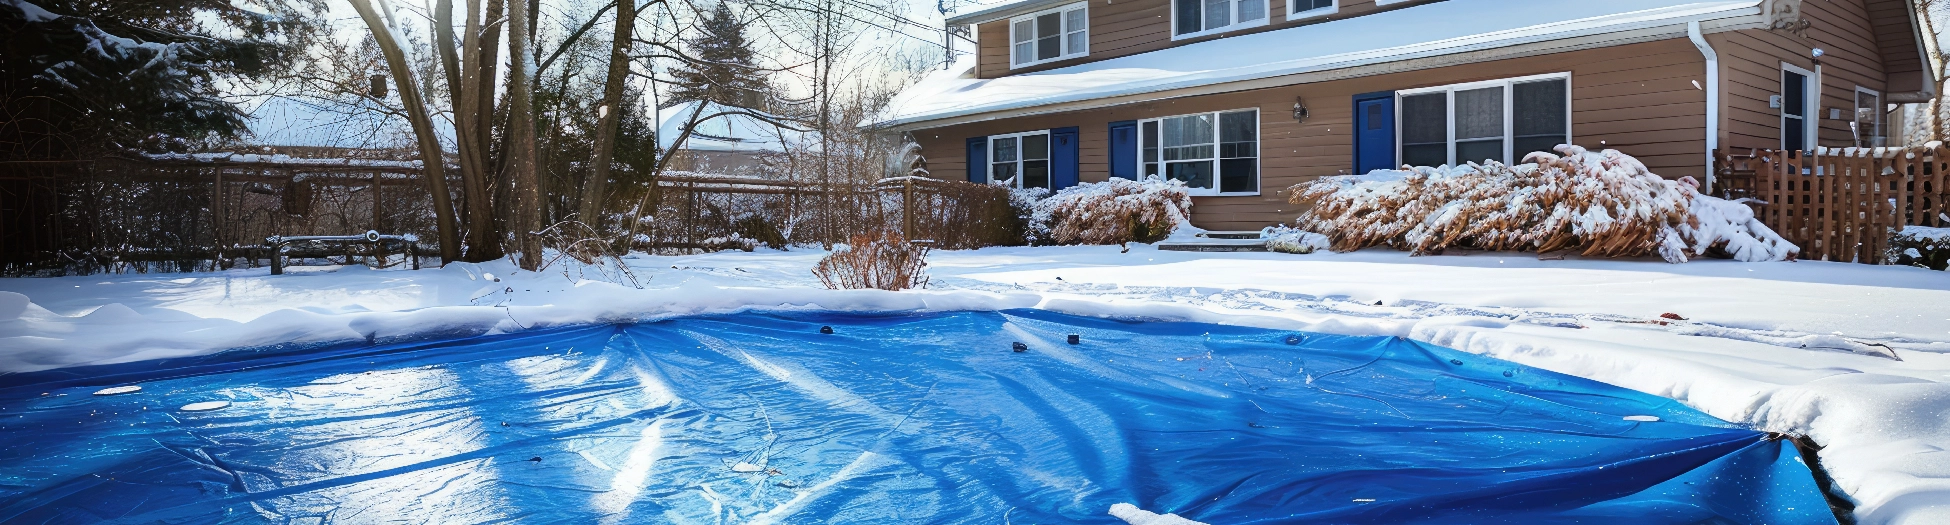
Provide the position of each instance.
(1792, 347)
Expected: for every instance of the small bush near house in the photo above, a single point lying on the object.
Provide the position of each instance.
(1288, 240)
(1113, 212)
(1921, 246)
(1605, 204)
(882, 261)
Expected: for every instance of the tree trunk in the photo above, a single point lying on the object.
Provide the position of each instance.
(482, 226)
(595, 191)
(464, 90)
(521, 140)
(431, 159)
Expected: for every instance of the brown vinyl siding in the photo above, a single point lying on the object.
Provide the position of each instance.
(1129, 27)
(1751, 73)
(1638, 98)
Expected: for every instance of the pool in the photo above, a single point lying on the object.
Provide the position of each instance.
(912, 418)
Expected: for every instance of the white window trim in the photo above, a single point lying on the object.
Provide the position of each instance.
(1334, 7)
(1259, 148)
(1811, 110)
(1878, 111)
(1509, 111)
(1063, 39)
(988, 164)
(1236, 25)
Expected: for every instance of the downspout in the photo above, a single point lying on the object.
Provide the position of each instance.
(1712, 96)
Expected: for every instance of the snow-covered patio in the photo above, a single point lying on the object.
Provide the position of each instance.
(1788, 347)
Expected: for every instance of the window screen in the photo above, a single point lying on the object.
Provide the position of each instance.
(1239, 151)
(1540, 116)
(1425, 129)
(1302, 6)
(1479, 125)
(1794, 110)
(1035, 161)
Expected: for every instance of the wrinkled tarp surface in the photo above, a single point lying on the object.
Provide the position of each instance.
(927, 418)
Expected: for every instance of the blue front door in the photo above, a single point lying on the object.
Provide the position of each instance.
(1374, 133)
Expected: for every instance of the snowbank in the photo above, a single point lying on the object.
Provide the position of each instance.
(1606, 204)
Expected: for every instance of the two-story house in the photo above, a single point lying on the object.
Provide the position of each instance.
(1244, 98)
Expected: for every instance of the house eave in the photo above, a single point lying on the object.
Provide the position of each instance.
(1354, 67)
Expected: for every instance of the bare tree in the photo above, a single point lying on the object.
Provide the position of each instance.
(431, 157)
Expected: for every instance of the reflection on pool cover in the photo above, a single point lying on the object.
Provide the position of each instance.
(756, 418)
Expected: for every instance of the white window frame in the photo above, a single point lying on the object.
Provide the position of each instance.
(1333, 6)
(1259, 149)
(1063, 39)
(1878, 112)
(988, 168)
(1810, 113)
(1509, 111)
(1266, 7)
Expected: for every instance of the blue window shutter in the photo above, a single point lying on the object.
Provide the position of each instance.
(1123, 149)
(1063, 157)
(978, 160)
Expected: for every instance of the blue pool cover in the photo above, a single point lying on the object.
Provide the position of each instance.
(932, 418)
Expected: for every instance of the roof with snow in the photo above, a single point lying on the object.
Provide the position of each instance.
(727, 129)
(998, 9)
(1423, 31)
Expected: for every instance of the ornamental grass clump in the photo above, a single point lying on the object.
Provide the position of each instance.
(1116, 211)
(882, 260)
(1602, 204)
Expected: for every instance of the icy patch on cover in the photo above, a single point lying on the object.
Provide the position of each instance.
(206, 406)
(1136, 516)
(114, 390)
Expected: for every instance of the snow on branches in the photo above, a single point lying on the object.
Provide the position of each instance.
(1605, 204)
(1116, 211)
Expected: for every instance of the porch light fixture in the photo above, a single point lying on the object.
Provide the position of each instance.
(1299, 109)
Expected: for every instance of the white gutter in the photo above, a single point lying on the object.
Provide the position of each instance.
(1712, 96)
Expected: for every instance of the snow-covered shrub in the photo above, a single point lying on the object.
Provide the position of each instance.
(1035, 228)
(1288, 240)
(1114, 212)
(1920, 246)
(882, 261)
(1606, 204)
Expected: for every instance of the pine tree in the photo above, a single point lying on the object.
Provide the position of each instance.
(719, 68)
(91, 75)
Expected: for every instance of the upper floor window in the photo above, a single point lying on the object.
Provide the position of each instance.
(1312, 8)
(1213, 153)
(1499, 120)
(1192, 18)
(1050, 35)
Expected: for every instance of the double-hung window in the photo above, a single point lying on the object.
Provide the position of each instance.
(1020, 160)
(1499, 120)
(1311, 8)
(1213, 153)
(1797, 108)
(1192, 18)
(1049, 36)
(1867, 124)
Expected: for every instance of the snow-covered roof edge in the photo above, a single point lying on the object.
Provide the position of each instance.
(959, 79)
(1001, 10)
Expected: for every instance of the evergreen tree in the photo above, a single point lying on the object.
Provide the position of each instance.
(719, 67)
(92, 75)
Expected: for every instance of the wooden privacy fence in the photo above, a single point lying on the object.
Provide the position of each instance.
(703, 212)
(1840, 204)
(195, 213)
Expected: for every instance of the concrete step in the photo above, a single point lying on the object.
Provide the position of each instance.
(1231, 235)
(1215, 245)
